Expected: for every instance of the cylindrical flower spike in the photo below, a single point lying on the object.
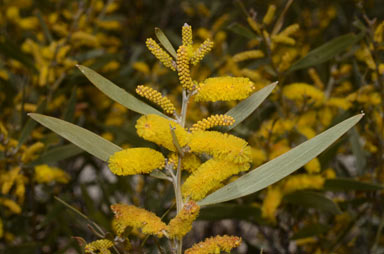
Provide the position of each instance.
(156, 97)
(137, 218)
(183, 68)
(190, 161)
(99, 246)
(283, 39)
(134, 161)
(186, 35)
(157, 129)
(212, 121)
(215, 245)
(222, 146)
(203, 49)
(246, 55)
(160, 54)
(224, 89)
(290, 30)
(182, 223)
(208, 176)
(270, 15)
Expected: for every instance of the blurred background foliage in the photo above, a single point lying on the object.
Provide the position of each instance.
(327, 56)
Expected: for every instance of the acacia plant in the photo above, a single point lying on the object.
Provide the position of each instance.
(197, 161)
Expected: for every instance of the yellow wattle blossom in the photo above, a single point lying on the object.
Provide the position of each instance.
(315, 78)
(270, 15)
(213, 121)
(222, 146)
(137, 218)
(47, 174)
(11, 205)
(156, 97)
(379, 33)
(282, 39)
(99, 246)
(208, 176)
(253, 24)
(183, 68)
(186, 35)
(157, 129)
(182, 223)
(313, 166)
(271, 202)
(160, 54)
(30, 152)
(201, 51)
(141, 67)
(190, 161)
(8, 179)
(246, 55)
(1, 228)
(134, 161)
(291, 29)
(302, 181)
(215, 245)
(224, 89)
(299, 92)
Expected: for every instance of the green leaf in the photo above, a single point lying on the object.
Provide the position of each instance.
(326, 51)
(118, 94)
(313, 200)
(70, 110)
(311, 230)
(86, 140)
(44, 26)
(281, 166)
(357, 150)
(160, 175)
(242, 110)
(231, 211)
(346, 184)
(56, 154)
(242, 30)
(165, 42)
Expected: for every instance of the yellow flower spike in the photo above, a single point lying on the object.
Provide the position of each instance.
(246, 55)
(315, 78)
(208, 176)
(190, 161)
(47, 174)
(253, 24)
(201, 51)
(186, 35)
(290, 30)
(134, 161)
(160, 54)
(282, 39)
(271, 202)
(157, 129)
(99, 246)
(379, 33)
(213, 121)
(11, 205)
(313, 166)
(137, 218)
(299, 92)
(215, 245)
(182, 223)
(302, 181)
(183, 68)
(30, 152)
(156, 97)
(222, 146)
(8, 179)
(224, 89)
(270, 15)
(1, 229)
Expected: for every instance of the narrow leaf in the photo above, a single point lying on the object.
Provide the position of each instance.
(358, 150)
(70, 110)
(86, 140)
(165, 42)
(313, 200)
(56, 154)
(346, 184)
(281, 166)
(242, 110)
(242, 30)
(311, 230)
(118, 94)
(326, 51)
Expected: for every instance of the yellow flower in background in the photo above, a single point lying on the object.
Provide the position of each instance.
(11, 205)
(270, 15)
(224, 89)
(215, 245)
(182, 223)
(30, 152)
(8, 179)
(137, 218)
(99, 246)
(222, 146)
(208, 176)
(300, 92)
(247, 55)
(47, 174)
(157, 129)
(1, 228)
(313, 166)
(271, 202)
(302, 181)
(134, 161)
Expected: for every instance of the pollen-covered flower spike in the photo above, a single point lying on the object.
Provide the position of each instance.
(213, 121)
(224, 89)
(156, 97)
(134, 161)
(215, 245)
(186, 35)
(203, 49)
(137, 218)
(209, 176)
(99, 246)
(183, 68)
(160, 54)
(182, 223)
